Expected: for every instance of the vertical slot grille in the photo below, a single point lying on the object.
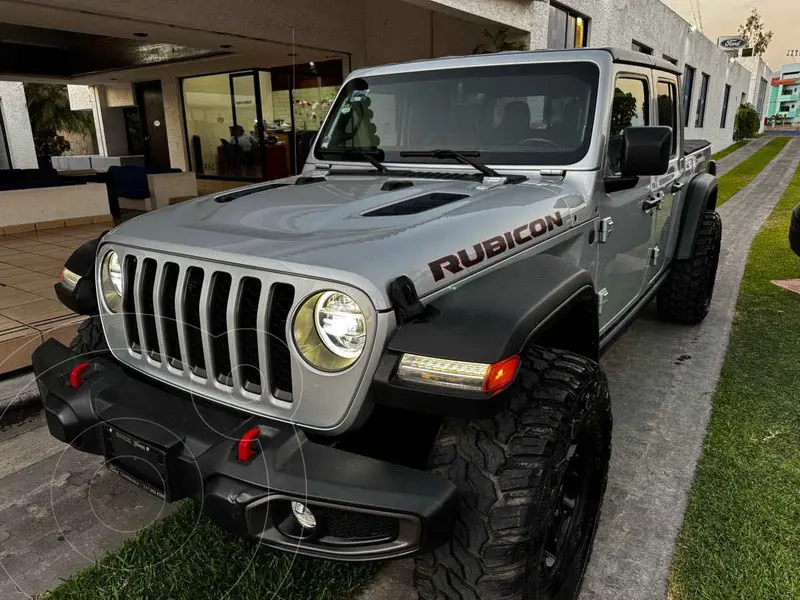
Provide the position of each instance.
(191, 312)
(226, 326)
(247, 328)
(147, 309)
(218, 327)
(280, 366)
(129, 305)
(172, 348)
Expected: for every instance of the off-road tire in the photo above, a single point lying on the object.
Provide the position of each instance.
(90, 340)
(509, 470)
(685, 297)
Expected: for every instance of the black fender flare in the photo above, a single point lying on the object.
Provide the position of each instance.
(700, 196)
(543, 299)
(83, 299)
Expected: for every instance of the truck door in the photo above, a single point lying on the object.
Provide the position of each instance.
(665, 226)
(625, 228)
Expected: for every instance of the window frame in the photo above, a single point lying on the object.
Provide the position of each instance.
(576, 16)
(672, 84)
(702, 100)
(688, 91)
(723, 123)
(647, 105)
(642, 48)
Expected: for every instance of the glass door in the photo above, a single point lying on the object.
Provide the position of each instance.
(247, 132)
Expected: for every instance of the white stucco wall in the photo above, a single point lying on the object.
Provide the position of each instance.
(80, 97)
(119, 95)
(759, 70)
(651, 22)
(17, 125)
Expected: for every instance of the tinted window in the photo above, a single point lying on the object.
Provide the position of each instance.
(668, 109)
(688, 85)
(701, 102)
(566, 29)
(517, 114)
(630, 109)
(725, 101)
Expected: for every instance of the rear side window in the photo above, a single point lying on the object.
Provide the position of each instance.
(668, 109)
(630, 109)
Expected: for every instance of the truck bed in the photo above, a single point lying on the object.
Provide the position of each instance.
(692, 146)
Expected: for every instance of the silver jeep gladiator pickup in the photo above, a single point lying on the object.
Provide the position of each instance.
(396, 352)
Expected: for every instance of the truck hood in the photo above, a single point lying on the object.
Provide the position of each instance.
(359, 230)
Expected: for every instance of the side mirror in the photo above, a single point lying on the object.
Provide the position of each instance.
(645, 151)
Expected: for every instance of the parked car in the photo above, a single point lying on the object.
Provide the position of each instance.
(396, 353)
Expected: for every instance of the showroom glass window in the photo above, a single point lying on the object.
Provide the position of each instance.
(257, 124)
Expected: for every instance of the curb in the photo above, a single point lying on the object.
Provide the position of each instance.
(20, 402)
(17, 393)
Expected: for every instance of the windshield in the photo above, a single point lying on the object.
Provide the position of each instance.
(531, 114)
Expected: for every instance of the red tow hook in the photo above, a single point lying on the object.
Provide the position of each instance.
(246, 451)
(76, 375)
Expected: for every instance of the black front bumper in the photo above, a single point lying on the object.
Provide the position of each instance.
(178, 447)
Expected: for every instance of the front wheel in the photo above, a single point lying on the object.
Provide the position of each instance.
(530, 480)
(90, 341)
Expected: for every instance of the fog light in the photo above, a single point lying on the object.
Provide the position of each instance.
(457, 374)
(304, 515)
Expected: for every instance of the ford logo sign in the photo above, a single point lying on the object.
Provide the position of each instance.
(733, 43)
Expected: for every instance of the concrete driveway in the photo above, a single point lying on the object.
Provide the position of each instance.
(60, 509)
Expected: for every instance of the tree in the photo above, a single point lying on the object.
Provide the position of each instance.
(50, 113)
(753, 32)
(499, 42)
(747, 123)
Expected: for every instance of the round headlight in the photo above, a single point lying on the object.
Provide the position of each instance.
(340, 324)
(330, 330)
(111, 281)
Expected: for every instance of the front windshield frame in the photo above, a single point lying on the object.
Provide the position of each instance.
(585, 72)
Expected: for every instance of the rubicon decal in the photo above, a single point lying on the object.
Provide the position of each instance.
(519, 236)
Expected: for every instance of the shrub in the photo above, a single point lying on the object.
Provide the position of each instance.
(747, 123)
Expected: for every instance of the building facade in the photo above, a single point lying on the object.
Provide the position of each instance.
(784, 96)
(236, 89)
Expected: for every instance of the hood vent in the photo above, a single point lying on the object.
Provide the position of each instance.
(390, 186)
(412, 206)
(247, 191)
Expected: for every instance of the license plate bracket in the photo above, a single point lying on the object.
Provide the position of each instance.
(137, 461)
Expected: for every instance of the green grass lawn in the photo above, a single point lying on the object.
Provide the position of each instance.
(741, 534)
(738, 177)
(186, 557)
(729, 150)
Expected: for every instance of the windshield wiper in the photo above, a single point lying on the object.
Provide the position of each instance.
(465, 156)
(372, 156)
